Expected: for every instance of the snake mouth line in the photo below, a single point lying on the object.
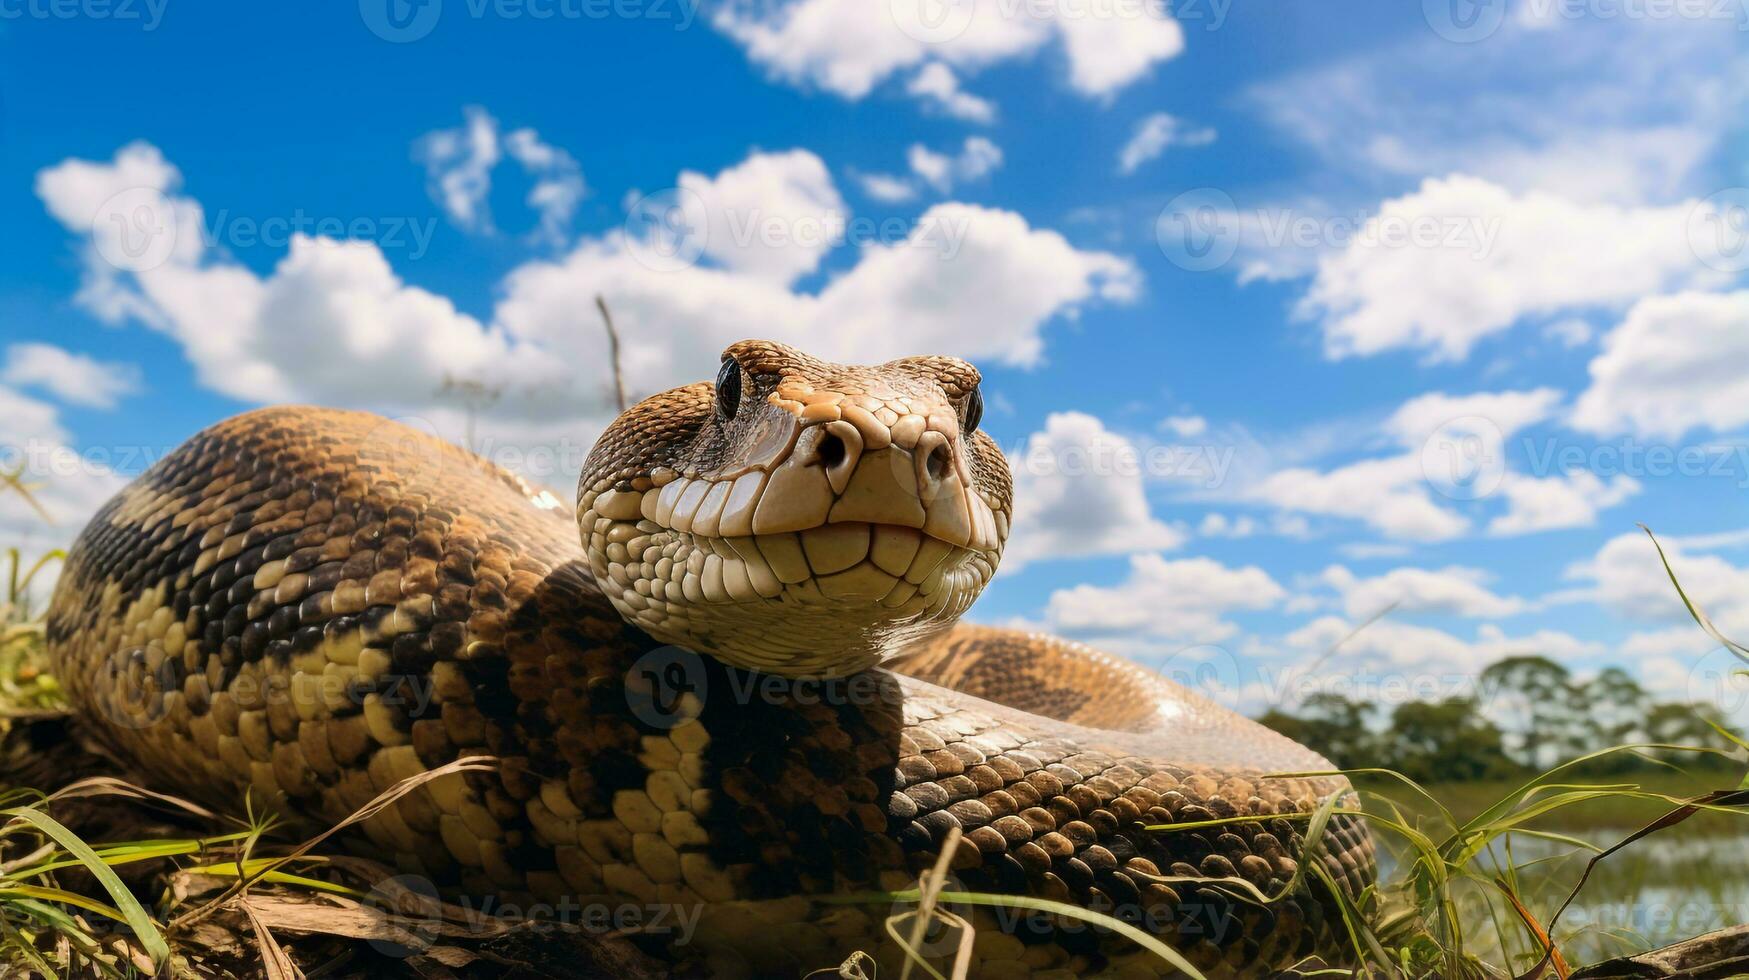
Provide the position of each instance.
(699, 560)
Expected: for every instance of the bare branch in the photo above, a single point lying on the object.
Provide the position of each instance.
(619, 381)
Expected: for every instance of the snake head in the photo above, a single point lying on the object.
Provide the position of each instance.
(798, 517)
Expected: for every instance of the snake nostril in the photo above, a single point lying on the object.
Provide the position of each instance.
(939, 461)
(831, 451)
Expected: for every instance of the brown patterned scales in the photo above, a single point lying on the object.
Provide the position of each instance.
(311, 605)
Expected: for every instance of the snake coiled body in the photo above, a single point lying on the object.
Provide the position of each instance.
(310, 605)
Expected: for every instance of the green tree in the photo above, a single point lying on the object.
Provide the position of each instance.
(1338, 728)
(1445, 741)
(1541, 715)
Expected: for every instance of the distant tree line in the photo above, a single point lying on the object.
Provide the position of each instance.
(1528, 714)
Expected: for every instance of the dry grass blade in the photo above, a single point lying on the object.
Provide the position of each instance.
(13, 479)
(111, 786)
(1535, 929)
(1721, 799)
(276, 964)
(926, 913)
(383, 800)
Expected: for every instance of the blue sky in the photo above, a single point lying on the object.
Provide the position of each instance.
(1294, 267)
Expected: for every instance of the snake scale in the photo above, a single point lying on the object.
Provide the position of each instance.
(309, 605)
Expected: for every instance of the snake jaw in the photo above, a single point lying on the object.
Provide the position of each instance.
(839, 517)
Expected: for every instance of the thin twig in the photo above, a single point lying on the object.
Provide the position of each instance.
(619, 381)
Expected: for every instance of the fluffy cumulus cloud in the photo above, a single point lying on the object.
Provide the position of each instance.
(1182, 601)
(1079, 491)
(937, 85)
(848, 47)
(333, 323)
(1626, 578)
(1550, 503)
(1461, 259)
(459, 163)
(1673, 365)
(1454, 590)
(773, 216)
(1395, 646)
(1154, 134)
(74, 378)
(1452, 451)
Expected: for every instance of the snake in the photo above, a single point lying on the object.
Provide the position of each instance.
(729, 689)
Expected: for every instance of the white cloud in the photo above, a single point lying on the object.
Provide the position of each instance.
(558, 182)
(1456, 590)
(1389, 495)
(68, 486)
(976, 159)
(970, 281)
(1469, 259)
(332, 323)
(773, 216)
(1404, 644)
(1674, 364)
(1553, 502)
(1490, 416)
(886, 187)
(73, 378)
(459, 163)
(848, 47)
(1570, 333)
(1153, 134)
(1222, 526)
(1181, 600)
(1215, 525)
(1527, 109)
(1368, 550)
(1626, 577)
(1410, 495)
(1075, 496)
(936, 84)
(1185, 426)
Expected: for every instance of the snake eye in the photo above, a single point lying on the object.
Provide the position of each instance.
(974, 411)
(728, 388)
